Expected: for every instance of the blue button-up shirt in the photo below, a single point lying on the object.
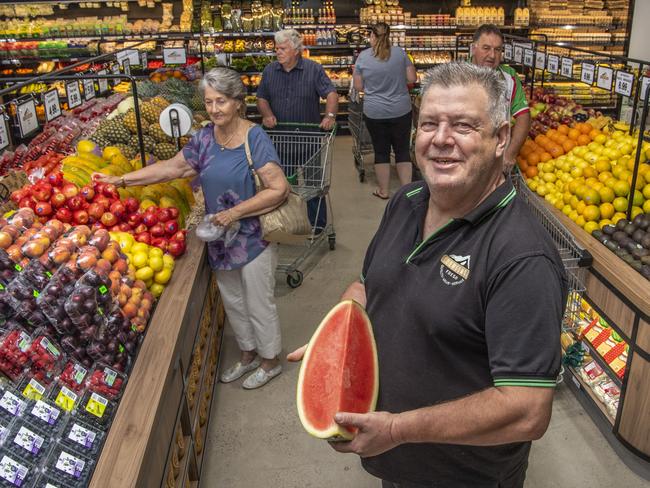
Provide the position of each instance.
(295, 95)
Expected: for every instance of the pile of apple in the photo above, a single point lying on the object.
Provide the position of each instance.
(100, 207)
(549, 111)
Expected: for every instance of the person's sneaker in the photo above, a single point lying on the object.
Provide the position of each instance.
(261, 377)
(238, 370)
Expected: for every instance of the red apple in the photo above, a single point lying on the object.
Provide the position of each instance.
(160, 242)
(80, 217)
(173, 211)
(164, 215)
(143, 237)
(171, 227)
(18, 195)
(42, 191)
(176, 248)
(141, 228)
(108, 219)
(179, 236)
(124, 227)
(134, 220)
(88, 193)
(103, 201)
(64, 215)
(27, 202)
(55, 179)
(75, 202)
(98, 225)
(99, 187)
(131, 204)
(157, 230)
(70, 190)
(96, 210)
(110, 191)
(118, 209)
(149, 219)
(58, 200)
(43, 209)
(115, 228)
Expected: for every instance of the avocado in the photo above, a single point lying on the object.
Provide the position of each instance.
(597, 233)
(640, 252)
(619, 236)
(620, 225)
(637, 265)
(639, 235)
(629, 229)
(645, 242)
(611, 245)
(609, 229)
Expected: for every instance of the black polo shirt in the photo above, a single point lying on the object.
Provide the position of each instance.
(295, 95)
(477, 304)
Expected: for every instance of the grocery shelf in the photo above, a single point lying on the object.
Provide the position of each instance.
(602, 363)
(237, 34)
(314, 26)
(578, 384)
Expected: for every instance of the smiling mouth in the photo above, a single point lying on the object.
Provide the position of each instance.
(444, 161)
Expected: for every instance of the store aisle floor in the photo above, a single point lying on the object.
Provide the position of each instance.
(255, 437)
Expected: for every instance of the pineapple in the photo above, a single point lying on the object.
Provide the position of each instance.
(149, 112)
(131, 124)
(129, 151)
(148, 141)
(116, 132)
(159, 101)
(164, 150)
(157, 133)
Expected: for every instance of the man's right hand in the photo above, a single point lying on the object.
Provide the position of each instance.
(297, 355)
(269, 121)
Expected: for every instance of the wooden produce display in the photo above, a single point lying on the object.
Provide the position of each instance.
(159, 431)
(622, 297)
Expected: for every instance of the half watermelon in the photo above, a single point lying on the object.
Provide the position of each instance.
(339, 372)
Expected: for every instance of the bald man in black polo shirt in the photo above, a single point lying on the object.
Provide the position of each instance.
(466, 293)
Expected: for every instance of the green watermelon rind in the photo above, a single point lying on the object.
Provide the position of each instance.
(335, 432)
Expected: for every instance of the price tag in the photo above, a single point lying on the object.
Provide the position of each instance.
(89, 89)
(126, 65)
(587, 73)
(540, 60)
(519, 54)
(66, 399)
(507, 52)
(143, 60)
(645, 81)
(51, 104)
(174, 55)
(567, 67)
(34, 390)
(4, 133)
(553, 64)
(27, 119)
(73, 93)
(624, 83)
(96, 405)
(528, 57)
(115, 69)
(605, 78)
(103, 84)
(133, 55)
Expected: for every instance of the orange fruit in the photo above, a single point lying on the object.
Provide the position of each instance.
(594, 133)
(545, 157)
(531, 172)
(573, 134)
(551, 133)
(607, 211)
(607, 195)
(583, 140)
(568, 144)
(525, 151)
(533, 158)
(563, 129)
(541, 139)
(620, 204)
(621, 188)
(584, 127)
(556, 151)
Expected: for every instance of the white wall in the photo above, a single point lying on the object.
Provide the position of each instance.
(640, 38)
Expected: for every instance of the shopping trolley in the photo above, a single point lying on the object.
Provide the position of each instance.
(575, 258)
(361, 142)
(306, 156)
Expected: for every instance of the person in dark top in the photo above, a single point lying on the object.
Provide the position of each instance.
(466, 292)
(290, 91)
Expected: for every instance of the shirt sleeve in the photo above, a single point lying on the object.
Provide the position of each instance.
(192, 150)
(263, 88)
(324, 85)
(523, 340)
(359, 65)
(518, 104)
(262, 148)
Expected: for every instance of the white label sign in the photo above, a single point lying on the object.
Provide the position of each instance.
(587, 73)
(624, 83)
(567, 67)
(605, 78)
(507, 53)
(645, 81)
(103, 83)
(126, 65)
(73, 93)
(540, 60)
(89, 89)
(174, 55)
(4, 132)
(51, 105)
(553, 64)
(133, 55)
(519, 54)
(115, 69)
(143, 60)
(528, 57)
(27, 119)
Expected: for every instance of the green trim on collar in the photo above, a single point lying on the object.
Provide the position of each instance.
(414, 192)
(504, 201)
(362, 278)
(424, 242)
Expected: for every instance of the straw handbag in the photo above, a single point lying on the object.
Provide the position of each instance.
(288, 223)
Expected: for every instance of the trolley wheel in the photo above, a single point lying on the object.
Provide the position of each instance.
(294, 280)
(332, 242)
(362, 176)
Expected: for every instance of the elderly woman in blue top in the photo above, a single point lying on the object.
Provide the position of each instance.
(245, 269)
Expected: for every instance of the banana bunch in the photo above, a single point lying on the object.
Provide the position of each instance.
(45, 67)
(33, 88)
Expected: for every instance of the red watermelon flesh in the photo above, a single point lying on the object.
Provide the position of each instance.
(339, 372)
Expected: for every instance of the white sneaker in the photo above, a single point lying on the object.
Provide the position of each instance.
(261, 377)
(238, 370)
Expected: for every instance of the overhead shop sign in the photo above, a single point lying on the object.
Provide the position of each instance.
(51, 105)
(587, 72)
(27, 119)
(624, 83)
(519, 54)
(89, 89)
(567, 67)
(605, 78)
(4, 132)
(73, 93)
(540, 60)
(174, 55)
(553, 64)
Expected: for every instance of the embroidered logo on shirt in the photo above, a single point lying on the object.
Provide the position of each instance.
(454, 270)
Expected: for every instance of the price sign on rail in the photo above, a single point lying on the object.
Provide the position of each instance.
(528, 57)
(540, 60)
(143, 60)
(4, 132)
(507, 52)
(553, 64)
(645, 82)
(51, 105)
(519, 54)
(133, 55)
(89, 89)
(567, 67)
(587, 72)
(103, 83)
(174, 55)
(605, 78)
(73, 93)
(624, 83)
(115, 69)
(27, 119)
(126, 65)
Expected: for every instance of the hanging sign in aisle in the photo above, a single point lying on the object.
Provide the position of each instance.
(73, 94)
(4, 132)
(115, 69)
(605, 78)
(587, 71)
(27, 119)
(143, 60)
(528, 57)
(553, 64)
(567, 67)
(126, 65)
(89, 89)
(624, 83)
(519, 54)
(174, 55)
(51, 105)
(103, 83)
(540, 60)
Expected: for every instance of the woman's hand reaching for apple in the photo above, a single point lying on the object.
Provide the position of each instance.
(108, 179)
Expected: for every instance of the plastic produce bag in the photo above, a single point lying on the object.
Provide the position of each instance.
(208, 232)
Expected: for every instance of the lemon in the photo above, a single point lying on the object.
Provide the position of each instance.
(590, 227)
(156, 289)
(163, 276)
(85, 146)
(140, 259)
(646, 206)
(607, 211)
(140, 247)
(145, 273)
(156, 263)
(155, 251)
(126, 241)
(617, 216)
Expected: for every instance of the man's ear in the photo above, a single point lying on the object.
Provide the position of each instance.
(503, 139)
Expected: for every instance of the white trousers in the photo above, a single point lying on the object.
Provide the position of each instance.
(248, 299)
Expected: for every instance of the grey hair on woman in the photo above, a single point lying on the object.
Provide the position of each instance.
(291, 35)
(461, 73)
(225, 81)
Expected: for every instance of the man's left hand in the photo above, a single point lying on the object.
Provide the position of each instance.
(374, 436)
(327, 123)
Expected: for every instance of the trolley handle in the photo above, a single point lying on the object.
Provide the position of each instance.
(300, 125)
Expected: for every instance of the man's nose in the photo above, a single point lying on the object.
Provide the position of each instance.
(442, 136)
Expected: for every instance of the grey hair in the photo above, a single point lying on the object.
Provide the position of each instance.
(461, 73)
(291, 35)
(223, 80)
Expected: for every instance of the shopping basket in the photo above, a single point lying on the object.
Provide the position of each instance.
(575, 258)
(305, 153)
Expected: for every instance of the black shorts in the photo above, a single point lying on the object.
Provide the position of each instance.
(387, 133)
